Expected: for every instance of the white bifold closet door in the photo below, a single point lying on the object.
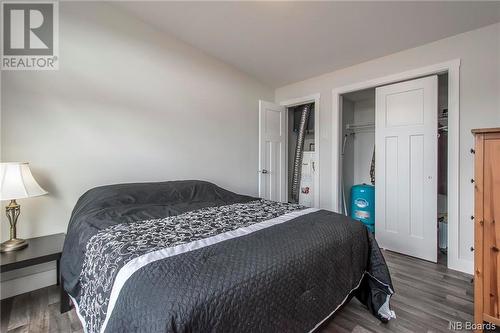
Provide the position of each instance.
(272, 151)
(406, 167)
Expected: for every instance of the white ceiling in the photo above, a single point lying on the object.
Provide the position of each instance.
(283, 42)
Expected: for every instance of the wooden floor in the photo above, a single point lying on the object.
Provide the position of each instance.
(428, 296)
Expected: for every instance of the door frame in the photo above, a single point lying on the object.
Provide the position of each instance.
(451, 67)
(314, 98)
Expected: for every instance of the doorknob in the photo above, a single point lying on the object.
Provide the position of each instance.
(264, 171)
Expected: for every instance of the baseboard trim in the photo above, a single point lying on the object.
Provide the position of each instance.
(461, 265)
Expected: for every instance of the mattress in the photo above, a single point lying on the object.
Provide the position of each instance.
(189, 256)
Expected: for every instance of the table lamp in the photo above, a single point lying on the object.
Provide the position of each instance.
(16, 182)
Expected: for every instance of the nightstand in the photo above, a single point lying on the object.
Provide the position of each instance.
(40, 250)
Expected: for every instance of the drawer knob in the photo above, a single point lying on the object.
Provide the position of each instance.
(494, 248)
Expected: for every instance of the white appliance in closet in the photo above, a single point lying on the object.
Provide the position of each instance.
(306, 194)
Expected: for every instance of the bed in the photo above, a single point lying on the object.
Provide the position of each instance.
(189, 256)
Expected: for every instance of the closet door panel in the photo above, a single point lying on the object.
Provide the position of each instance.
(272, 154)
(406, 157)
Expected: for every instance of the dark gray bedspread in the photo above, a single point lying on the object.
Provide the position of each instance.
(285, 278)
(105, 206)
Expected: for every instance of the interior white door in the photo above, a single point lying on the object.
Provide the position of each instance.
(272, 151)
(406, 167)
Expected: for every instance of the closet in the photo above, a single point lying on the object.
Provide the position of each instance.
(487, 227)
(390, 114)
(358, 141)
(301, 161)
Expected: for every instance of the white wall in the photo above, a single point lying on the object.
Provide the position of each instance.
(129, 104)
(479, 51)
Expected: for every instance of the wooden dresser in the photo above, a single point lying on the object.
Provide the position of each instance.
(487, 227)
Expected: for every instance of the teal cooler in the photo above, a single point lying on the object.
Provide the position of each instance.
(363, 205)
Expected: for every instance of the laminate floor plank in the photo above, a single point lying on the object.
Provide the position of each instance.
(19, 315)
(5, 309)
(38, 306)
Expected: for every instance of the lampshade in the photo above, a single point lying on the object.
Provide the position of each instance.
(17, 182)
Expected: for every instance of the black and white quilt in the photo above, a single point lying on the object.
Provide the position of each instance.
(191, 257)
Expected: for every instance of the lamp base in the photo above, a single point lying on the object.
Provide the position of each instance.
(13, 244)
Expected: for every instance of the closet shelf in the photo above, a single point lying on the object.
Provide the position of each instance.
(360, 126)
